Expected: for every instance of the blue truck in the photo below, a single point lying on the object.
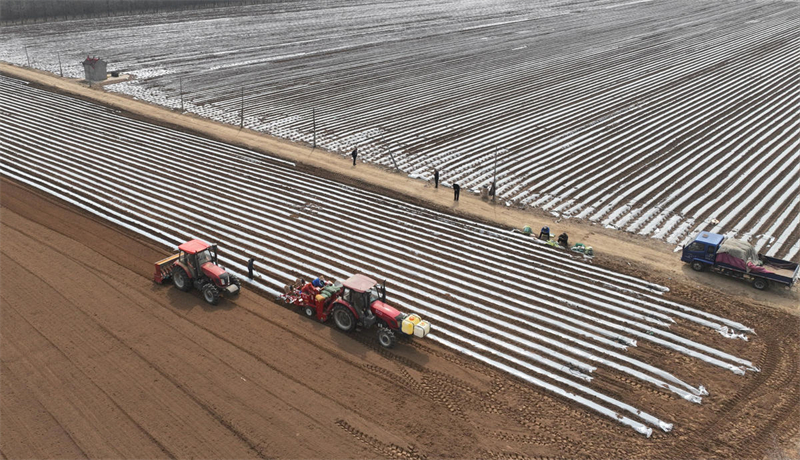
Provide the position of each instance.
(735, 258)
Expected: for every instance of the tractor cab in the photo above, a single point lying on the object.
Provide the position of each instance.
(361, 292)
(195, 255)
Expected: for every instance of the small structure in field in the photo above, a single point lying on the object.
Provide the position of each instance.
(94, 68)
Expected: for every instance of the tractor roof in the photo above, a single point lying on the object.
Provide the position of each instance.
(359, 283)
(193, 247)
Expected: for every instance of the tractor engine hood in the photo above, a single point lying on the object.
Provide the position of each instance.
(386, 313)
(215, 272)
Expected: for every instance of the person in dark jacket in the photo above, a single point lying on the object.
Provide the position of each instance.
(545, 233)
(456, 191)
(435, 178)
(250, 268)
(563, 240)
(354, 154)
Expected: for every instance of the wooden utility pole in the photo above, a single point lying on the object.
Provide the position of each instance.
(241, 122)
(383, 136)
(494, 178)
(60, 69)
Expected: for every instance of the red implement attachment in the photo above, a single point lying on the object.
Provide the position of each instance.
(164, 269)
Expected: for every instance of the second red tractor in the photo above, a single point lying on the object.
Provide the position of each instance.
(359, 301)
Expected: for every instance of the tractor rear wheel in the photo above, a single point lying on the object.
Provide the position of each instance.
(211, 294)
(181, 279)
(344, 318)
(386, 338)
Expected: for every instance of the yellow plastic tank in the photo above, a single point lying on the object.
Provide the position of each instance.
(410, 324)
(422, 329)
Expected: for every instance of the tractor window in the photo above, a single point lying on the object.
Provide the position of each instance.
(357, 301)
(203, 257)
(373, 294)
(182, 257)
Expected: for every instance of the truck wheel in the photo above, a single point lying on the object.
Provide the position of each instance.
(698, 266)
(386, 338)
(211, 294)
(309, 311)
(180, 279)
(344, 318)
(760, 284)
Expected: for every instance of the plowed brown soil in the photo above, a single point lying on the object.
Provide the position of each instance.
(97, 361)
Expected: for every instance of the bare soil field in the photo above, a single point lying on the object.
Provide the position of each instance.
(116, 366)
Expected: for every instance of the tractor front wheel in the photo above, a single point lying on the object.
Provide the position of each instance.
(181, 279)
(386, 338)
(211, 294)
(344, 318)
(309, 311)
(235, 280)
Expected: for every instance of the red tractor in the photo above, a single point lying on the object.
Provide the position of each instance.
(358, 302)
(195, 264)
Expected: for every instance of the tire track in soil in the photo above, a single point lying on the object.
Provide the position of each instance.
(388, 450)
(458, 395)
(774, 373)
(526, 417)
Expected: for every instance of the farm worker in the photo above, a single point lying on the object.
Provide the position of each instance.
(435, 178)
(354, 154)
(319, 282)
(563, 240)
(250, 268)
(545, 233)
(456, 191)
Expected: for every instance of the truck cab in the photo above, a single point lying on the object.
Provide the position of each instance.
(702, 252)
